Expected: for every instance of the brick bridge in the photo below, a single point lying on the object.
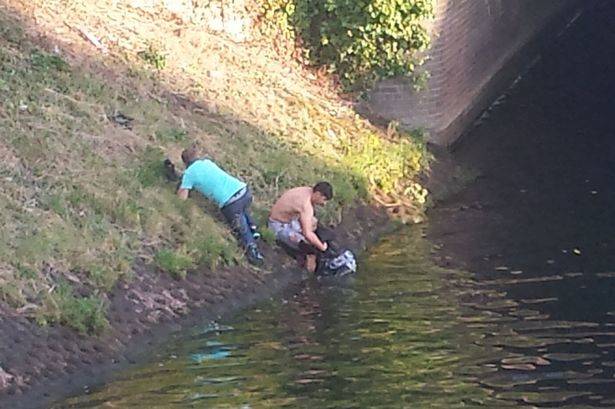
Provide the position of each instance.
(478, 48)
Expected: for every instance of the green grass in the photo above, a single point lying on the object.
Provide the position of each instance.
(174, 263)
(171, 135)
(268, 236)
(67, 205)
(82, 196)
(85, 314)
(153, 56)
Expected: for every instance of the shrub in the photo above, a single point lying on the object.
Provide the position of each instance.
(362, 41)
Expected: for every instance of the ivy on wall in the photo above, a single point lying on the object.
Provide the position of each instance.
(359, 40)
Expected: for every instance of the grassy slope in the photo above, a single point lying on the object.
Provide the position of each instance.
(83, 199)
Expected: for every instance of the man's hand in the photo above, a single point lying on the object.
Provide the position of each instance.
(313, 239)
(182, 193)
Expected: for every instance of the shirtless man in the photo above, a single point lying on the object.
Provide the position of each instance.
(293, 222)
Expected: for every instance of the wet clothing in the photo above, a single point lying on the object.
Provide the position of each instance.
(337, 263)
(211, 181)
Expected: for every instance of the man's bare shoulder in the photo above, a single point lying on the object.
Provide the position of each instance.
(295, 196)
(298, 192)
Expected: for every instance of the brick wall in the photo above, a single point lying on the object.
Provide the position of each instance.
(478, 48)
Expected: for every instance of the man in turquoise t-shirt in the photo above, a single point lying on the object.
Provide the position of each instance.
(231, 195)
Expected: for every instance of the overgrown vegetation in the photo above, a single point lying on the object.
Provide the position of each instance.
(85, 314)
(83, 198)
(362, 41)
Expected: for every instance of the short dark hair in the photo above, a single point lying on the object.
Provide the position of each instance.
(190, 155)
(324, 188)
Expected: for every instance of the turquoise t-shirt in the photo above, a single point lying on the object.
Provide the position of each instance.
(214, 183)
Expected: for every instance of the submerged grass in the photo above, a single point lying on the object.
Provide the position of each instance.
(84, 198)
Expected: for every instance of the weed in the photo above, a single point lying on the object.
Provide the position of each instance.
(85, 314)
(26, 272)
(153, 56)
(12, 294)
(105, 273)
(151, 170)
(55, 203)
(45, 61)
(211, 250)
(174, 263)
(267, 235)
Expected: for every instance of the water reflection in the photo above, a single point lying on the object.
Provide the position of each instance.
(404, 333)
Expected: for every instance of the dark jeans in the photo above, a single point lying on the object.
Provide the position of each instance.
(238, 216)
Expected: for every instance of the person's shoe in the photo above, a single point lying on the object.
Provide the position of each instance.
(254, 256)
(255, 233)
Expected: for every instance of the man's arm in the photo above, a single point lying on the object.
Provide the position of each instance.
(306, 220)
(182, 193)
(185, 185)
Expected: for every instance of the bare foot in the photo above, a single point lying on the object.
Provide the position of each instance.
(310, 263)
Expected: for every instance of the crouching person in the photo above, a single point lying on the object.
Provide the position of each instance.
(294, 225)
(230, 194)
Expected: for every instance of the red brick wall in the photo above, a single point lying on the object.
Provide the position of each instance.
(476, 52)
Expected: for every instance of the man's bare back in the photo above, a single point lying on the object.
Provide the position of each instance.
(292, 205)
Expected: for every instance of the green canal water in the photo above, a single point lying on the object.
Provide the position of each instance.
(402, 333)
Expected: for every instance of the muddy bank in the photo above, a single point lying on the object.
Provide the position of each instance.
(43, 364)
